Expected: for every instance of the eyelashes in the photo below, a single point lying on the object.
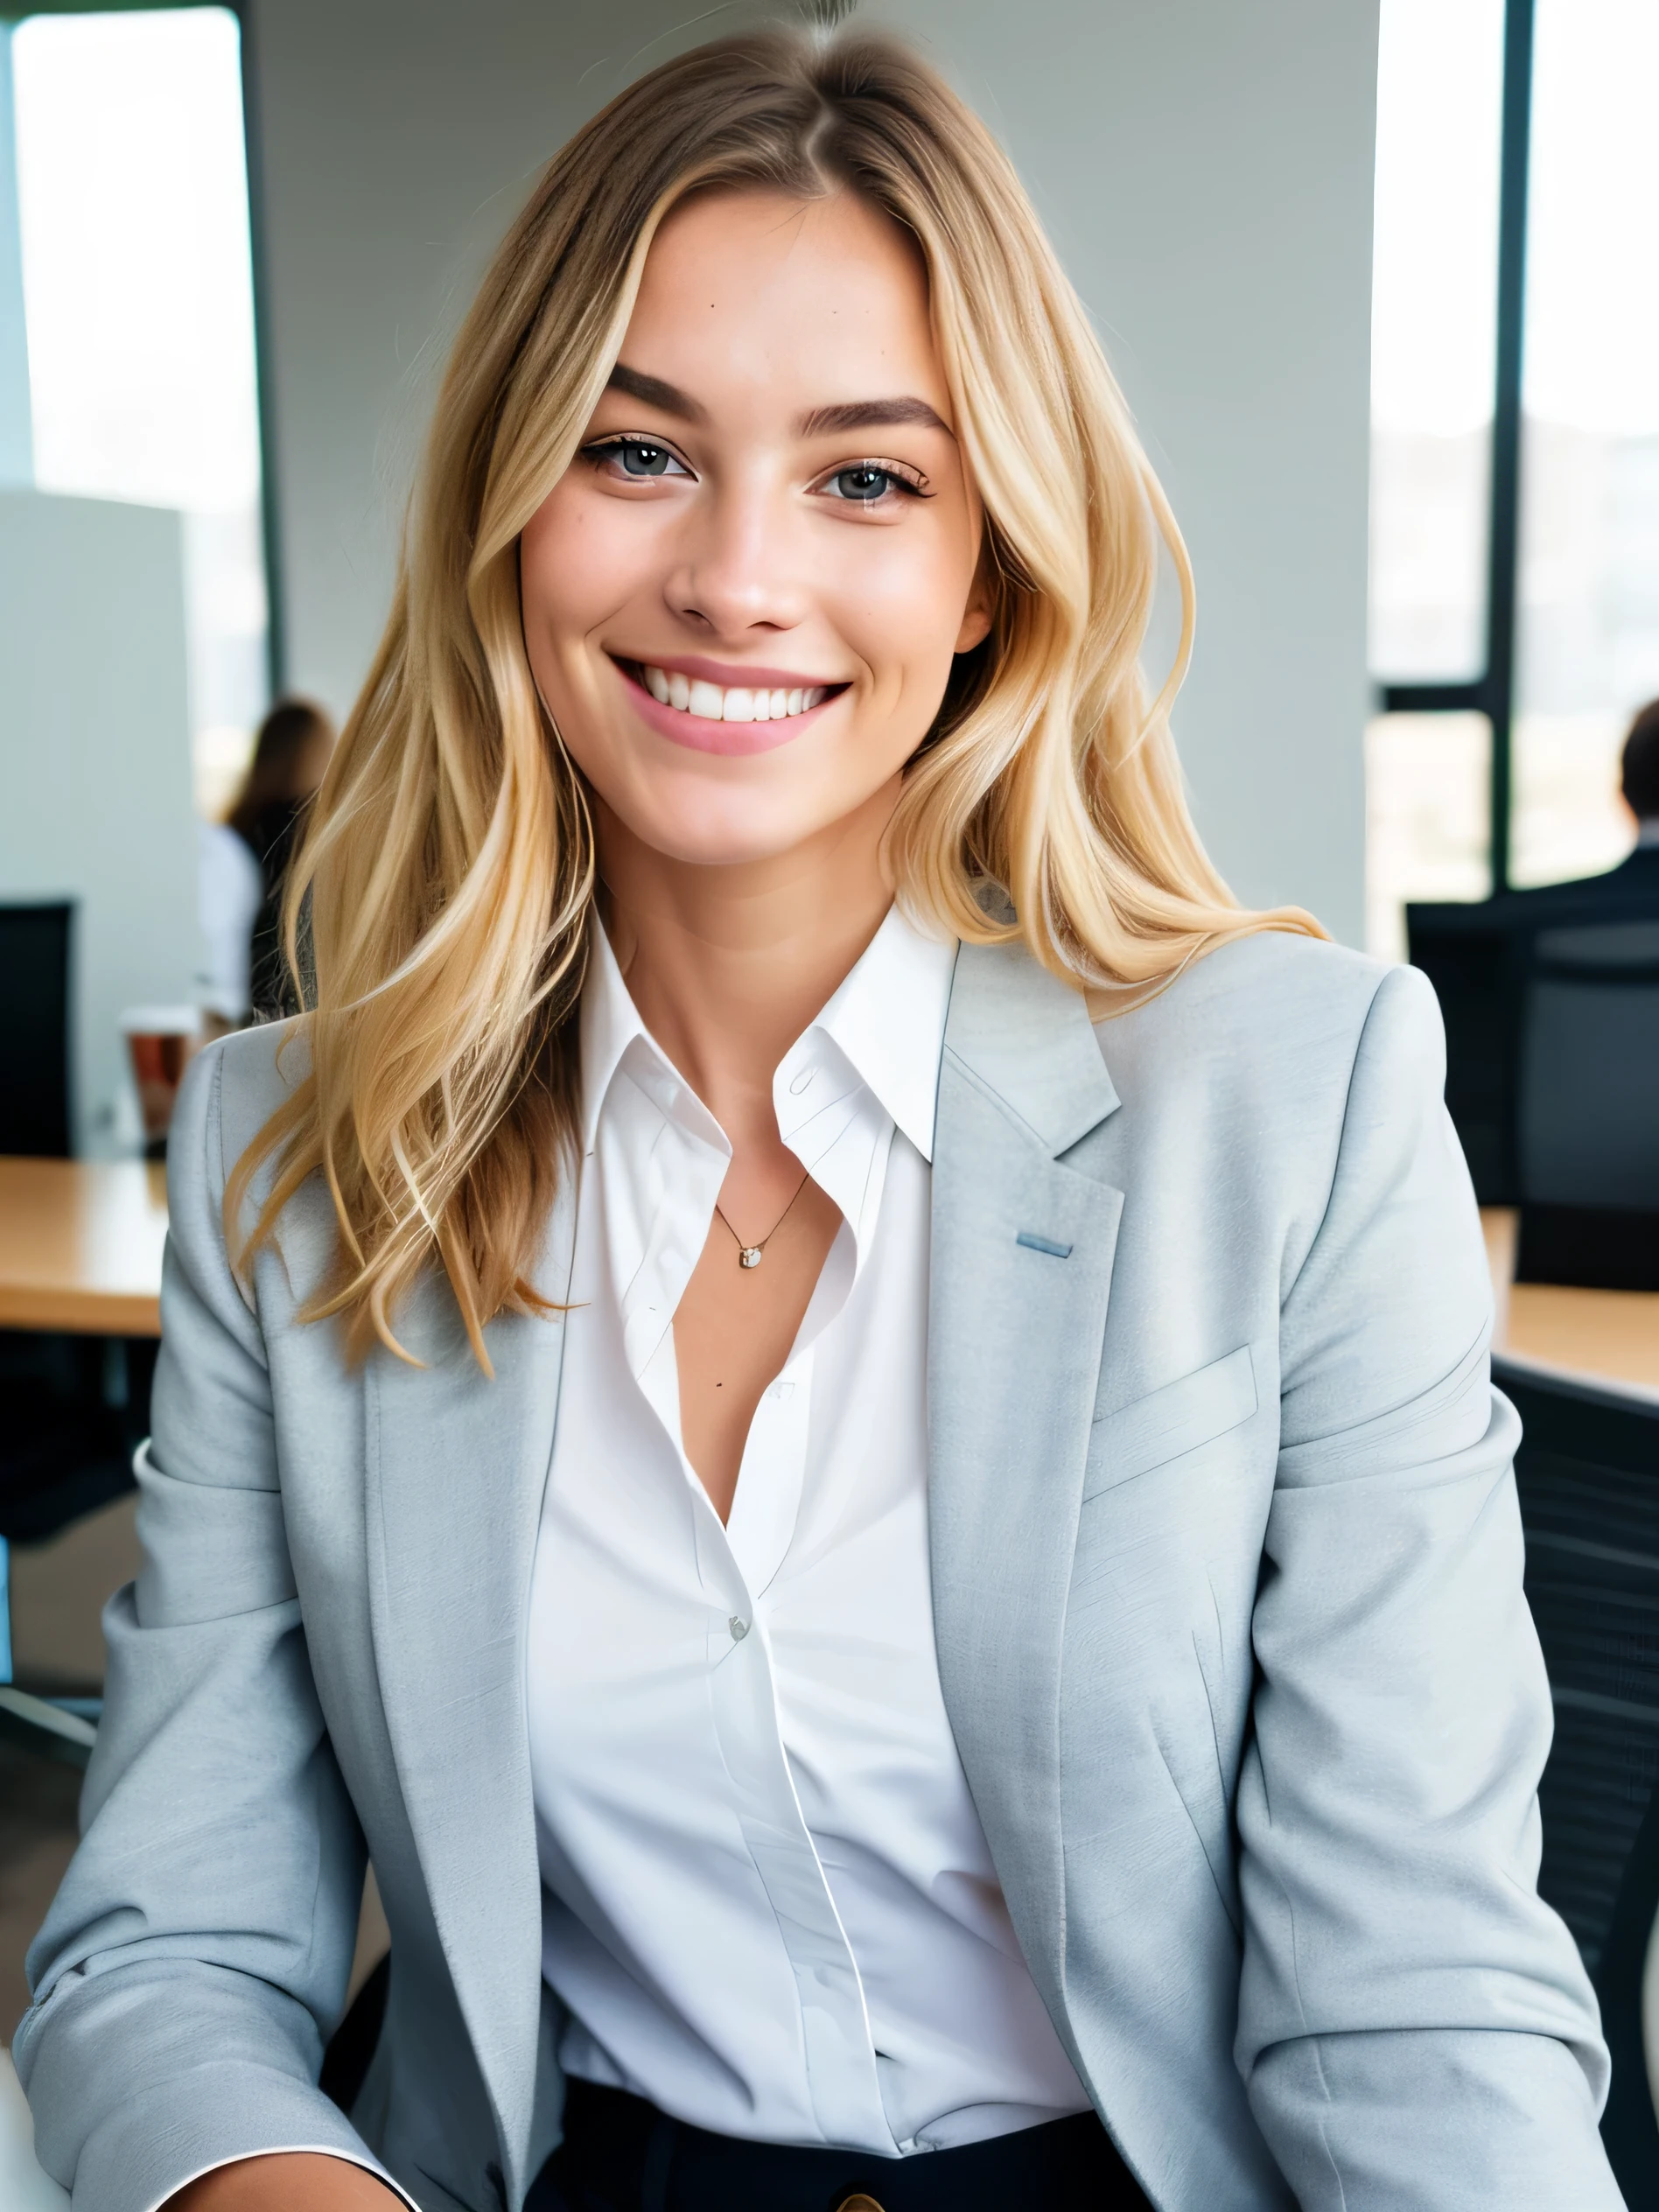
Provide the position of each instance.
(866, 483)
(891, 475)
(656, 459)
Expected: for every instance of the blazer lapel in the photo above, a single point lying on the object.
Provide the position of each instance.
(1021, 1269)
(456, 1467)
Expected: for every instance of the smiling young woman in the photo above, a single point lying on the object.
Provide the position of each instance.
(840, 1414)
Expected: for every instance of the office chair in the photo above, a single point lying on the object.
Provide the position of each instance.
(1628, 2126)
(1474, 963)
(1479, 956)
(1588, 1471)
(34, 1029)
(63, 1450)
(1587, 1123)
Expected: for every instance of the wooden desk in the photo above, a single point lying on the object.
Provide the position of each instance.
(1615, 1334)
(80, 1246)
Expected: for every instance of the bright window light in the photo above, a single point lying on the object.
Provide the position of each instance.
(1433, 334)
(1592, 318)
(137, 277)
(1434, 274)
(139, 301)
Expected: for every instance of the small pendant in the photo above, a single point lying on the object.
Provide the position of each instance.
(749, 1257)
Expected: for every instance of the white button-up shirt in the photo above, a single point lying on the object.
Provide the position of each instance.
(769, 1905)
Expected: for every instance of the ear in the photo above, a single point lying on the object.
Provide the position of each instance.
(977, 616)
(975, 628)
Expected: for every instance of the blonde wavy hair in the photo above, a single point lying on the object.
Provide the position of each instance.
(444, 892)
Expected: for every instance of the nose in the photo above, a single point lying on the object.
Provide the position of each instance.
(737, 569)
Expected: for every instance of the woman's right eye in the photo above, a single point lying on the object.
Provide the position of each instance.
(638, 458)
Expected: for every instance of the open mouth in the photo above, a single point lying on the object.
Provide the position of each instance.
(696, 699)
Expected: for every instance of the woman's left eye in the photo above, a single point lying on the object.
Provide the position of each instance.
(863, 483)
(639, 458)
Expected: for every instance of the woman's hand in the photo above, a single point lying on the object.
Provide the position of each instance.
(286, 2181)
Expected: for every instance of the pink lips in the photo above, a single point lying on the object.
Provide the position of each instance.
(698, 733)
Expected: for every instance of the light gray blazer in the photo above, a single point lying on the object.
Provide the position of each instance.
(1227, 1569)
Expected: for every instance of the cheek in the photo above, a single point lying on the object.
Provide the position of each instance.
(579, 562)
(899, 601)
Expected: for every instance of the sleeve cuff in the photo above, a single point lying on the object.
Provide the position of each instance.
(206, 2118)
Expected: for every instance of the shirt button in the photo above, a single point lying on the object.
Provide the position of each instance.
(739, 1628)
(798, 1083)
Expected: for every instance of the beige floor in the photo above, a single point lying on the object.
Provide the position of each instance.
(37, 1835)
(58, 1591)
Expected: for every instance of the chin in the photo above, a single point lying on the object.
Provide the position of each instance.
(731, 814)
(706, 836)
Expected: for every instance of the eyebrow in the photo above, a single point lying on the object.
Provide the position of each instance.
(822, 422)
(869, 415)
(655, 391)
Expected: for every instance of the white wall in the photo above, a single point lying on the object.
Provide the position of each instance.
(1205, 168)
(95, 760)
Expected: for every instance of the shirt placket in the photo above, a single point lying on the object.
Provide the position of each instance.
(837, 2045)
(734, 1568)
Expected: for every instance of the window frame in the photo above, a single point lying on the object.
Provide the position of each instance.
(1492, 693)
(275, 629)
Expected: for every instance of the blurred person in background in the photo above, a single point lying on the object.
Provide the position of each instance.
(244, 860)
(1639, 782)
(1637, 877)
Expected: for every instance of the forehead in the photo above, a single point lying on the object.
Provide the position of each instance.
(747, 296)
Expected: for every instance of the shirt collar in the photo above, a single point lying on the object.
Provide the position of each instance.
(612, 1035)
(887, 1019)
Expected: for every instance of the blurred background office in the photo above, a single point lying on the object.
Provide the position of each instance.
(243, 862)
(1378, 282)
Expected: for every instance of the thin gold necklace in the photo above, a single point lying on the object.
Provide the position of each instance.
(749, 1255)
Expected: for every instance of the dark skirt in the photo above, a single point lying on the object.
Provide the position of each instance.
(620, 2155)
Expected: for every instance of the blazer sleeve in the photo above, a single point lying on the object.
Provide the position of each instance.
(1416, 2027)
(198, 1952)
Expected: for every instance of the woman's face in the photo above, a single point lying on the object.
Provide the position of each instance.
(742, 599)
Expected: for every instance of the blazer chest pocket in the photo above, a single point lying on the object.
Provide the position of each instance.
(1191, 1410)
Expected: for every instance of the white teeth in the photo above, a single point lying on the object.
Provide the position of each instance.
(715, 703)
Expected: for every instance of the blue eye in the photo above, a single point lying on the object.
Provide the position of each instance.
(865, 484)
(638, 458)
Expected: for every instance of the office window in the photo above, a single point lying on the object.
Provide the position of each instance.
(1427, 778)
(1515, 564)
(1588, 615)
(1433, 328)
(1433, 340)
(138, 307)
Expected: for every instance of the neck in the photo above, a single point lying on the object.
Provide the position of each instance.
(728, 965)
